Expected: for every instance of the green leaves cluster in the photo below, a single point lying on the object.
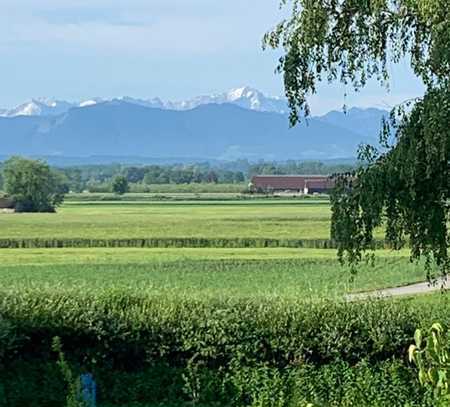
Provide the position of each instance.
(73, 398)
(406, 189)
(407, 185)
(33, 185)
(352, 41)
(250, 352)
(120, 185)
(432, 357)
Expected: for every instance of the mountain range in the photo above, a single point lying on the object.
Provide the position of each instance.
(242, 123)
(245, 97)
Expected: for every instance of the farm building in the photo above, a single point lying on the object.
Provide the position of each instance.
(6, 204)
(302, 184)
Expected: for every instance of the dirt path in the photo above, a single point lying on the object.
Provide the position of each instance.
(412, 289)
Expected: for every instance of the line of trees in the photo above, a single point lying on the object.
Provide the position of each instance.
(99, 178)
(120, 179)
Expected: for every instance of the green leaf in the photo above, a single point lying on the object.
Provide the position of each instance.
(418, 338)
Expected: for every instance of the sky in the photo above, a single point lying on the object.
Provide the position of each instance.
(174, 49)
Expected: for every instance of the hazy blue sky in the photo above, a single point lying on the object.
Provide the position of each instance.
(175, 49)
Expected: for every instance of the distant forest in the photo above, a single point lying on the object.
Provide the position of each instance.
(98, 178)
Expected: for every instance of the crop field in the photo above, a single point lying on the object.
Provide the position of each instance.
(218, 325)
(256, 223)
(213, 270)
(204, 273)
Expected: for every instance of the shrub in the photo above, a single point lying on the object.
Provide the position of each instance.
(254, 352)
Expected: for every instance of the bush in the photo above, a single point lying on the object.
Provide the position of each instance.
(253, 352)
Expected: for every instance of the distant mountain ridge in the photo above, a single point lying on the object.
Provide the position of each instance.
(245, 97)
(219, 131)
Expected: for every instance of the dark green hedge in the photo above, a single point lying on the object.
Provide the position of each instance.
(171, 242)
(232, 352)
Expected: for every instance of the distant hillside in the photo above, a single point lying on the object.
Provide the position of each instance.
(359, 121)
(212, 131)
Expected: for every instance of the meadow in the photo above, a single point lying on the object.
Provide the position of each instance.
(208, 325)
(186, 219)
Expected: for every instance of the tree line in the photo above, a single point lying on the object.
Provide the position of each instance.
(37, 187)
(102, 178)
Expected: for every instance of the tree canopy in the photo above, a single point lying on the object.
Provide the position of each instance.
(406, 185)
(120, 185)
(33, 185)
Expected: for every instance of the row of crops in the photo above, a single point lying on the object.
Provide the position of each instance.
(172, 242)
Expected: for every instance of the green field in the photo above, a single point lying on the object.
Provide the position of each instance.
(206, 271)
(207, 219)
(251, 273)
(207, 326)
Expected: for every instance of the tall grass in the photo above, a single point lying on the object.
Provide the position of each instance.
(215, 278)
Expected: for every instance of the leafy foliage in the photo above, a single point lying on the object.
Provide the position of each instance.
(120, 185)
(73, 383)
(352, 41)
(239, 352)
(407, 184)
(408, 187)
(432, 357)
(197, 177)
(33, 185)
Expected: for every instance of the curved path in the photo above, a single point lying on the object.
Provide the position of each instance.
(420, 288)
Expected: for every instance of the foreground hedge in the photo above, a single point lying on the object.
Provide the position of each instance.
(233, 352)
(171, 242)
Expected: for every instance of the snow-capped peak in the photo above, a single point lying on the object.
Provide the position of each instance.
(244, 92)
(32, 108)
(87, 103)
(253, 99)
(245, 97)
(154, 103)
(38, 107)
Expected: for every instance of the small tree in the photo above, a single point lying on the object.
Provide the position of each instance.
(33, 185)
(120, 185)
(212, 177)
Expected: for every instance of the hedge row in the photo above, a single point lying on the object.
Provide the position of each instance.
(383, 384)
(233, 352)
(172, 242)
(212, 196)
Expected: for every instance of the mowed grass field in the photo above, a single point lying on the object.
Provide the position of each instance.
(302, 219)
